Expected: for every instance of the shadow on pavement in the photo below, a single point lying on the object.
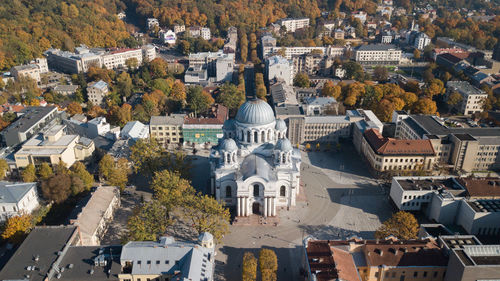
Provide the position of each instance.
(329, 232)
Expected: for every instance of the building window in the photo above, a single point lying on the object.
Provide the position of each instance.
(255, 190)
(228, 191)
(415, 274)
(283, 191)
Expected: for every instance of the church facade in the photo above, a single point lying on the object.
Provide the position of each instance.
(254, 168)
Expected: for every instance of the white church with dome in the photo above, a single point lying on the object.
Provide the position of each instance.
(254, 167)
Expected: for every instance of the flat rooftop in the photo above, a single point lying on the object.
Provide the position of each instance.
(485, 206)
(481, 187)
(429, 184)
(79, 261)
(427, 124)
(459, 241)
(480, 255)
(30, 116)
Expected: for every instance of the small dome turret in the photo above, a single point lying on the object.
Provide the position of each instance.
(228, 125)
(280, 125)
(283, 145)
(228, 145)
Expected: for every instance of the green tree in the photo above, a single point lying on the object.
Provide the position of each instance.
(454, 99)
(148, 222)
(119, 174)
(45, 171)
(29, 173)
(354, 71)
(79, 170)
(198, 100)
(249, 267)
(148, 156)
(207, 215)
(268, 264)
(170, 189)
(106, 165)
(434, 87)
(402, 225)
(230, 96)
(124, 84)
(4, 167)
(301, 80)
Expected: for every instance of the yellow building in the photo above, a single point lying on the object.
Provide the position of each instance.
(52, 147)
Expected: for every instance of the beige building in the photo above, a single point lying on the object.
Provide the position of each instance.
(167, 129)
(472, 97)
(292, 24)
(378, 54)
(30, 70)
(374, 260)
(460, 149)
(53, 146)
(388, 154)
(97, 91)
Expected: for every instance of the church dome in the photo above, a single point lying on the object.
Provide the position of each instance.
(280, 125)
(256, 112)
(228, 125)
(228, 145)
(283, 145)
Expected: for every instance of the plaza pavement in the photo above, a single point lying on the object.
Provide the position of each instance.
(342, 200)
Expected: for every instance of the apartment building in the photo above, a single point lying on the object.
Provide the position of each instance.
(206, 129)
(97, 91)
(331, 51)
(373, 260)
(30, 70)
(460, 149)
(292, 24)
(282, 94)
(472, 97)
(167, 129)
(198, 31)
(218, 65)
(17, 199)
(279, 68)
(84, 57)
(152, 23)
(447, 200)
(377, 54)
(394, 155)
(313, 64)
(30, 122)
(316, 106)
(54, 146)
(422, 40)
(474, 262)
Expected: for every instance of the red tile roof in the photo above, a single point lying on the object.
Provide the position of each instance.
(218, 115)
(390, 146)
(481, 187)
(406, 253)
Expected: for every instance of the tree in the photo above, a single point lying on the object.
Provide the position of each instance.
(380, 73)
(243, 47)
(4, 167)
(148, 222)
(158, 68)
(74, 108)
(170, 189)
(96, 111)
(425, 106)
(434, 87)
(354, 71)
(301, 80)
(178, 92)
(124, 84)
(268, 264)
(249, 267)
(198, 100)
(148, 156)
(106, 165)
(416, 54)
(57, 188)
(79, 170)
(454, 99)
(230, 96)
(402, 225)
(119, 174)
(207, 215)
(16, 228)
(29, 173)
(331, 90)
(45, 171)
(131, 63)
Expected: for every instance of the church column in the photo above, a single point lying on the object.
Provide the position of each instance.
(274, 206)
(238, 206)
(265, 207)
(245, 212)
(268, 206)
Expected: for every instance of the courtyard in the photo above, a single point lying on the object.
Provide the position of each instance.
(341, 200)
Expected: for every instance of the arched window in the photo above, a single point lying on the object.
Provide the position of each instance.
(256, 191)
(228, 191)
(283, 191)
(248, 136)
(284, 158)
(241, 135)
(255, 137)
(263, 136)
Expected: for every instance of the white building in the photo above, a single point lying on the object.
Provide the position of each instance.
(361, 15)
(42, 64)
(168, 259)
(472, 97)
(279, 68)
(29, 70)
(97, 91)
(179, 28)
(152, 23)
(168, 37)
(339, 71)
(98, 127)
(17, 199)
(378, 54)
(224, 68)
(135, 130)
(315, 106)
(292, 24)
(198, 31)
(118, 58)
(421, 41)
(205, 33)
(333, 51)
(255, 168)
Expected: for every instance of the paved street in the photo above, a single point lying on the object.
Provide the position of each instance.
(342, 201)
